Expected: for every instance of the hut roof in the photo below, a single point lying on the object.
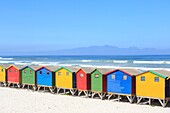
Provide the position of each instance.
(53, 68)
(73, 68)
(161, 73)
(34, 67)
(87, 69)
(4, 65)
(26, 67)
(132, 71)
(43, 67)
(17, 67)
(129, 71)
(103, 70)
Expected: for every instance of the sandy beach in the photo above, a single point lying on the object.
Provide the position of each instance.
(25, 101)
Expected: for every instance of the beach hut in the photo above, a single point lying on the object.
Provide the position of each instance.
(44, 78)
(28, 77)
(98, 82)
(153, 85)
(13, 76)
(83, 78)
(121, 83)
(65, 79)
(2, 76)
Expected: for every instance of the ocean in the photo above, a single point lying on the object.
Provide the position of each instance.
(145, 62)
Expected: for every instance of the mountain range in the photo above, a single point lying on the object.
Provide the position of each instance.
(94, 50)
(112, 50)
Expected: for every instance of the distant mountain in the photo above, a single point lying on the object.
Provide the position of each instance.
(94, 50)
(112, 50)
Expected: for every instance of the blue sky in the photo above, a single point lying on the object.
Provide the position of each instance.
(61, 24)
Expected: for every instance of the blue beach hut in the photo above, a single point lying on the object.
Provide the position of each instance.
(121, 82)
(44, 78)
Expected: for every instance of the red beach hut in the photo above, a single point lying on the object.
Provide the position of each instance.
(13, 75)
(83, 78)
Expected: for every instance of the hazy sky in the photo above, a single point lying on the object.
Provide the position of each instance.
(60, 24)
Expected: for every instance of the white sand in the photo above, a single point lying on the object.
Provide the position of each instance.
(24, 101)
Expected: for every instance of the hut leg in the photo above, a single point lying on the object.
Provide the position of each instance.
(8, 84)
(118, 98)
(163, 102)
(102, 96)
(23, 86)
(44, 89)
(5, 84)
(51, 90)
(150, 101)
(72, 91)
(130, 98)
(93, 95)
(90, 93)
(18, 86)
(139, 99)
(38, 88)
(34, 88)
(64, 91)
(79, 93)
(58, 90)
(86, 93)
(110, 96)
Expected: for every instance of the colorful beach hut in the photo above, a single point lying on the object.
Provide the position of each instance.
(44, 78)
(28, 77)
(65, 79)
(98, 82)
(83, 78)
(153, 85)
(13, 75)
(121, 82)
(2, 76)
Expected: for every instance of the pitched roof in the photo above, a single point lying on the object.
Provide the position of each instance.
(53, 68)
(42, 68)
(68, 68)
(161, 73)
(103, 70)
(13, 66)
(26, 67)
(129, 71)
(62, 68)
(4, 66)
(87, 69)
(34, 67)
(73, 68)
(132, 71)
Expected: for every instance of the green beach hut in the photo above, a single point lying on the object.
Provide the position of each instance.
(98, 82)
(28, 77)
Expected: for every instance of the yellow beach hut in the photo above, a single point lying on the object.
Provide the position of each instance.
(153, 85)
(65, 79)
(2, 76)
